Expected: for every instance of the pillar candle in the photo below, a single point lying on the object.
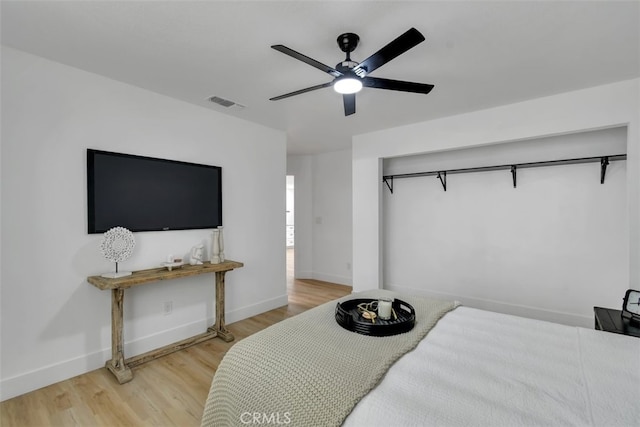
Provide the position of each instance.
(384, 308)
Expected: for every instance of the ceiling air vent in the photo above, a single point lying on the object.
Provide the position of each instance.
(221, 101)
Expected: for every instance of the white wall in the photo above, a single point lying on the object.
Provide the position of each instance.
(54, 324)
(301, 167)
(512, 250)
(595, 108)
(323, 206)
(332, 217)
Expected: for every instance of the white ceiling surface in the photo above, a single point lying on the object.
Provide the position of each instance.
(478, 54)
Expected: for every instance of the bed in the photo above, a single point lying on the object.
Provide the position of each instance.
(459, 366)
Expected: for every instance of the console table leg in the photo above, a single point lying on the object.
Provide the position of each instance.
(219, 328)
(117, 365)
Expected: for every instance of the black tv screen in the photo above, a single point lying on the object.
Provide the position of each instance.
(147, 194)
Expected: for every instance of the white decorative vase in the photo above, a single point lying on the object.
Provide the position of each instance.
(215, 247)
(221, 244)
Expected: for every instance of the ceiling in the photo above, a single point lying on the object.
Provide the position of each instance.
(478, 54)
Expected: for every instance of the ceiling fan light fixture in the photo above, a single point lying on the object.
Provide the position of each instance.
(347, 85)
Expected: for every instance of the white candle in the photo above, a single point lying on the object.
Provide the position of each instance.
(384, 308)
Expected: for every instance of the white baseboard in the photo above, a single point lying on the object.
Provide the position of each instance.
(51, 374)
(304, 274)
(255, 309)
(331, 278)
(502, 307)
(340, 280)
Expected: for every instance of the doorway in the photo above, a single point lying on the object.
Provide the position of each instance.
(290, 228)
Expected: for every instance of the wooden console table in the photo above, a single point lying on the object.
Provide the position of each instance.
(121, 367)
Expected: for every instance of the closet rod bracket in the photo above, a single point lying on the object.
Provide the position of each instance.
(442, 176)
(604, 162)
(389, 181)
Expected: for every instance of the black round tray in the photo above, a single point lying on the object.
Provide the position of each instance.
(348, 316)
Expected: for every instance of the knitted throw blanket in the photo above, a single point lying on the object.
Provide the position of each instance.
(307, 370)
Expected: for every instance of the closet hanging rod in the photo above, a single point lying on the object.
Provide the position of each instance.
(603, 160)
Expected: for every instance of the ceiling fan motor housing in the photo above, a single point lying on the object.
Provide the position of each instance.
(346, 66)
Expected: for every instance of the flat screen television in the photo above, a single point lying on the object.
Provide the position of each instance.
(148, 194)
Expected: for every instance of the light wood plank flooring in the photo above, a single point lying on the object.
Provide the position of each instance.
(170, 391)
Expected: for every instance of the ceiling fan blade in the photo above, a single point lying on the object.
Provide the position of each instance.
(389, 84)
(397, 47)
(298, 92)
(297, 55)
(349, 104)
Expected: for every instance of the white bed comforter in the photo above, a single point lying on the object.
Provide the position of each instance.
(479, 368)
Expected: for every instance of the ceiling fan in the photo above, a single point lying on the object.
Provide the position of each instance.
(350, 76)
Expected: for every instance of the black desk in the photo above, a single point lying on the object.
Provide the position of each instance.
(610, 320)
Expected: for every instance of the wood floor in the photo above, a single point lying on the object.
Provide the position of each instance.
(170, 391)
